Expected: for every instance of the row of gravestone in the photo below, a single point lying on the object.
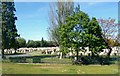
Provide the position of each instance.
(48, 51)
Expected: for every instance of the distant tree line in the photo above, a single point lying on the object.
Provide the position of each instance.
(34, 44)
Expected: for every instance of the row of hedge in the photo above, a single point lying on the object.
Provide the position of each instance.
(25, 60)
(103, 60)
(85, 60)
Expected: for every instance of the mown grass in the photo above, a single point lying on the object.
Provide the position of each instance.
(45, 68)
(0, 67)
(56, 60)
(31, 68)
(35, 53)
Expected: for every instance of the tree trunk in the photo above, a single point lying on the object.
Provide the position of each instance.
(2, 53)
(77, 55)
(15, 51)
(93, 55)
(105, 40)
(109, 51)
(108, 48)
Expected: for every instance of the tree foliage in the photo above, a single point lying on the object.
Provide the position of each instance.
(96, 41)
(42, 43)
(79, 31)
(109, 27)
(57, 16)
(110, 31)
(21, 42)
(0, 25)
(9, 31)
(30, 43)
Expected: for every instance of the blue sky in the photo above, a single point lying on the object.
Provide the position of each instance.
(32, 23)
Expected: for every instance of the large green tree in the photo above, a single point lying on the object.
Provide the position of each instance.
(80, 31)
(71, 31)
(9, 31)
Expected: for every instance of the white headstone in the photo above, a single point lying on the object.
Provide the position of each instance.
(60, 55)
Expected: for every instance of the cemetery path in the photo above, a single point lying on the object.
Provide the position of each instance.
(21, 55)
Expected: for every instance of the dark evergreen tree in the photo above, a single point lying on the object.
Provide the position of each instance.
(9, 31)
(0, 24)
(44, 43)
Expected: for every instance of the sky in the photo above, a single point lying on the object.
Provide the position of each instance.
(32, 23)
(67, 0)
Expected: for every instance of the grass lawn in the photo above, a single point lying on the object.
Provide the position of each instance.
(0, 67)
(20, 68)
(35, 53)
(44, 68)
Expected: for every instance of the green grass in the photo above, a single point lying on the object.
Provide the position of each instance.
(0, 67)
(17, 68)
(35, 53)
(31, 68)
(57, 60)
